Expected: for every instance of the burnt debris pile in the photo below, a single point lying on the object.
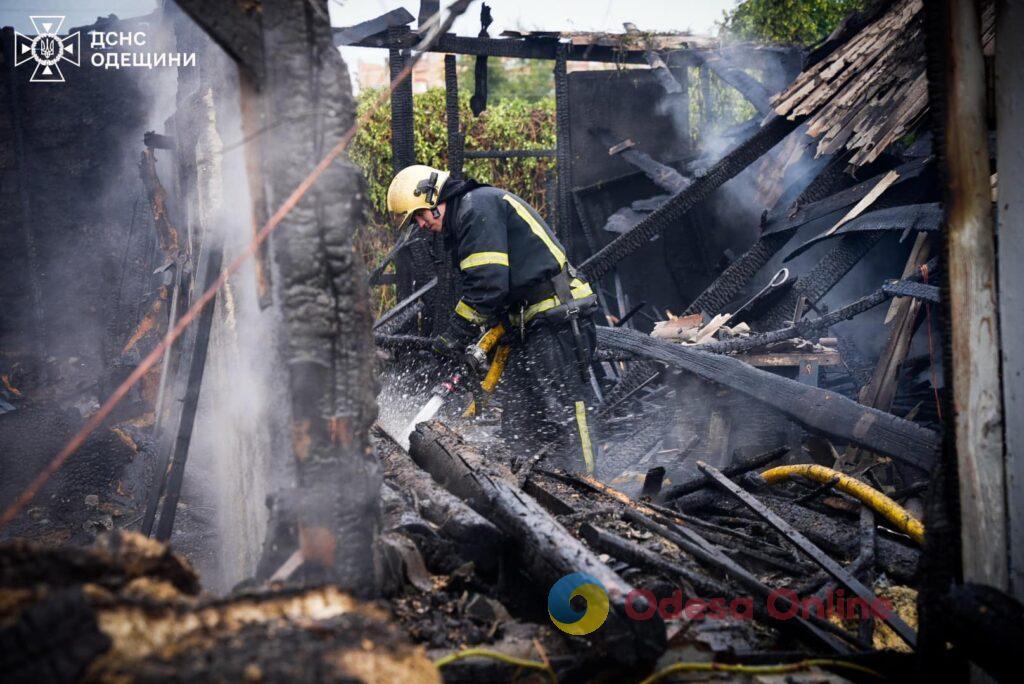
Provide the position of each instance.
(768, 487)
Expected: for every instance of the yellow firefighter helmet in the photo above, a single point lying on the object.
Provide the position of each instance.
(415, 187)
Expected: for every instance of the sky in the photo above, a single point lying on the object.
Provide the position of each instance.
(697, 16)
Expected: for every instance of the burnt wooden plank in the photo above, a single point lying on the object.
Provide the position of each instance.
(816, 409)
(972, 307)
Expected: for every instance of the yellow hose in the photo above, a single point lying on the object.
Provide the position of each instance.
(490, 381)
(491, 337)
(869, 496)
(495, 655)
(497, 366)
(756, 669)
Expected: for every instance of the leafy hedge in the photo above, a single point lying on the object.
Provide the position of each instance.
(509, 124)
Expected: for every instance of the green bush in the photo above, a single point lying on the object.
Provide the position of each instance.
(509, 124)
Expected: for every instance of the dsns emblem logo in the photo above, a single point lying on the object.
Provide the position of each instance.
(47, 49)
(569, 619)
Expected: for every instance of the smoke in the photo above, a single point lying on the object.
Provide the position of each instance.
(238, 455)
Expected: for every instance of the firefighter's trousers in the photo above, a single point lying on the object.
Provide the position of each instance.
(546, 399)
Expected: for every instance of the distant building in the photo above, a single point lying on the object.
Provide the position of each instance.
(428, 73)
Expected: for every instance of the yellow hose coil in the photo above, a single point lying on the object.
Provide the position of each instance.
(869, 496)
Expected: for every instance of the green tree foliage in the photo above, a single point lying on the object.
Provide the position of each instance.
(512, 123)
(532, 80)
(789, 22)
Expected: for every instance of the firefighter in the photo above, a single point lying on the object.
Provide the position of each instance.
(514, 271)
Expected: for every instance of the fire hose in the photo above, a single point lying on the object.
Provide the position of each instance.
(869, 496)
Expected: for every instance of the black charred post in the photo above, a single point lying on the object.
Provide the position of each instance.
(563, 161)
(478, 103)
(451, 108)
(546, 550)
(323, 294)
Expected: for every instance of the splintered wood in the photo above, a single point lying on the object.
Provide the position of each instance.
(867, 93)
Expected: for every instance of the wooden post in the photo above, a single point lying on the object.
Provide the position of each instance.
(1010, 152)
(977, 404)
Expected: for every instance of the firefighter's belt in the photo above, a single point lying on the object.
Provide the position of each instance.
(583, 300)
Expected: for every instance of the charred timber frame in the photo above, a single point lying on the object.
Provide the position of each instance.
(322, 295)
(670, 213)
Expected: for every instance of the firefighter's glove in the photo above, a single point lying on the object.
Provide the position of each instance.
(453, 341)
(447, 347)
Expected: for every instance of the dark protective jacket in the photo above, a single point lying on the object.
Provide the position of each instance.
(508, 256)
(504, 250)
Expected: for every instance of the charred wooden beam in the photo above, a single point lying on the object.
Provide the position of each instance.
(919, 291)
(476, 538)
(451, 109)
(563, 149)
(912, 217)
(672, 212)
(324, 301)
(816, 409)
(803, 328)
(661, 72)
(700, 481)
(350, 35)
(235, 29)
(913, 174)
(749, 87)
(662, 175)
(547, 550)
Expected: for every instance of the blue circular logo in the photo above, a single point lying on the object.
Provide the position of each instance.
(569, 619)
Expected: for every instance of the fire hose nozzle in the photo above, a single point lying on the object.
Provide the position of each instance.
(476, 359)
